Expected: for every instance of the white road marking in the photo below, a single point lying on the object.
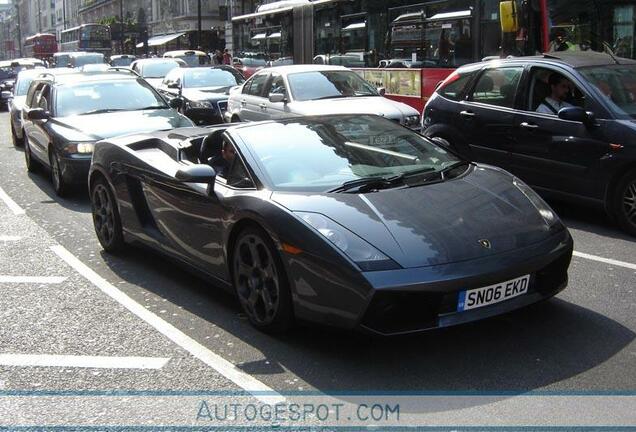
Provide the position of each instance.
(46, 360)
(13, 206)
(247, 382)
(605, 260)
(10, 238)
(32, 279)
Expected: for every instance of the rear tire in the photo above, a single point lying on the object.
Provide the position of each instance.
(624, 203)
(236, 119)
(106, 219)
(260, 282)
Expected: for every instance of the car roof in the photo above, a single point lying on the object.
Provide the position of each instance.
(156, 60)
(185, 52)
(97, 76)
(574, 59)
(305, 68)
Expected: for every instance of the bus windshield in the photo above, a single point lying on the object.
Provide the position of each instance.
(99, 33)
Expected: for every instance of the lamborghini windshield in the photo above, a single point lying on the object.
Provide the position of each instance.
(322, 154)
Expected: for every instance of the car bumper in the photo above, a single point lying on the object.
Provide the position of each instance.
(414, 300)
(75, 168)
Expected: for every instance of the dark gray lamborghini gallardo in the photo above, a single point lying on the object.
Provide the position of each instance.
(346, 220)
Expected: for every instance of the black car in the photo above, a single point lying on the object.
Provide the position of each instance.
(65, 114)
(346, 220)
(7, 82)
(204, 91)
(565, 123)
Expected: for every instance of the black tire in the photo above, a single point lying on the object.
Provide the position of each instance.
(624, 203)
(59, 184)
(106, 219)
(260, 282)
(32, 165)
(236, 119)
(17, 142)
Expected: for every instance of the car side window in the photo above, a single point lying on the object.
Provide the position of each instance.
(278, 85)
(33, 90)
(542, 98)
(238, 177)
(257, 85)
(42, 98)
(455, 89)
(497, 87)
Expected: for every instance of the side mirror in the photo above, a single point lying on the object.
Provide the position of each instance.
(196, 174)
(38, 114)
(576, 114)
(277, 98)
(174, 85)
(176, 103)
(381, 91)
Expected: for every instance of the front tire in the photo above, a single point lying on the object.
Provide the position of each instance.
(106, 219)
(624, 203)
(17, 142)
(59, 184)
(261, 283)
(31, 164)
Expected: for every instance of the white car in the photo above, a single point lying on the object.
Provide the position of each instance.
(299, 90)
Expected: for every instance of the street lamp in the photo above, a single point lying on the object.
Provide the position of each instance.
(121, 19)
(199, 24)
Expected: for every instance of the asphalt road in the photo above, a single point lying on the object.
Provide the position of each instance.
(583, 340)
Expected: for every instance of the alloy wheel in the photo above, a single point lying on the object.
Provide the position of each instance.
(629, 202)
(257, 280)
(103, 214)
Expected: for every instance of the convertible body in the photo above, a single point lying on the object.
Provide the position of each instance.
(389, 258)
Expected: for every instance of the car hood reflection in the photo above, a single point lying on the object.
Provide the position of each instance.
(434, 224)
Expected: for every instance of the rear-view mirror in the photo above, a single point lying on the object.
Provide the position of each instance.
(381, 91)
(38, 114)
(277, 98)
(174, 85)
(576, 114)
(196, 174)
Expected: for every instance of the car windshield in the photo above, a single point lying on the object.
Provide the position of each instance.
(104, 96)
(62, 61)
(208, 77)
(250, 61)
(89, 59)
(122, 61)
(320, 154)
(194, 60)
(617, 83)
(7, 73)
(328, 85)
(22, 85)
(158, 69)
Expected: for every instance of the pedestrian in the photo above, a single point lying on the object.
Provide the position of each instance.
(227, 57)
(218, 57)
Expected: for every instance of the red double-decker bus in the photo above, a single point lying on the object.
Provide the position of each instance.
(409, 46)
(41, 46)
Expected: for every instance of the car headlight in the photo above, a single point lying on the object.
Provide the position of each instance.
(80, 148)
(548, 215)
(362, 253)
(200, 104)
(412, 120)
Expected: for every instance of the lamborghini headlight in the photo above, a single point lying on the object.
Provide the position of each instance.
(548, 215)
(362, 253)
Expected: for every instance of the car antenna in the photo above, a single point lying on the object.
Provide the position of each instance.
(609, 52)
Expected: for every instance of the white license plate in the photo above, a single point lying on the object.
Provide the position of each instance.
(480, 297)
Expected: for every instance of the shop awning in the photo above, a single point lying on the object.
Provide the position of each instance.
(161, 40)
(274, 36)
(259, 36)
(452, 15)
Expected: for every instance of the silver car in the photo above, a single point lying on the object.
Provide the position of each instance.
(290, 91)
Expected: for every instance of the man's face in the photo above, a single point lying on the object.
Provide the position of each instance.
(560, 90)
(228, 153)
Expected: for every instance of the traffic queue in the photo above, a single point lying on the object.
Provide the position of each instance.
(313, 197)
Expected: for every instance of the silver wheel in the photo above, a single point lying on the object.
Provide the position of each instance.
(629, 202)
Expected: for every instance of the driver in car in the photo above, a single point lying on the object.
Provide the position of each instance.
(560, 88)
(222, 165)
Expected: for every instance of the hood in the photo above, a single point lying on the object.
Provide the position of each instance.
(355, 105)
(206, 93)
(434, 224)
(108, 125)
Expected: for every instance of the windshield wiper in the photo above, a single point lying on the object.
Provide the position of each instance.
(367, 184)
(152, 107)
(331, 97)
(102, 111)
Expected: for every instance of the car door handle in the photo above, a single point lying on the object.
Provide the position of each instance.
(468, 114)
(263, 106)
(243, 102)
(527, 125)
